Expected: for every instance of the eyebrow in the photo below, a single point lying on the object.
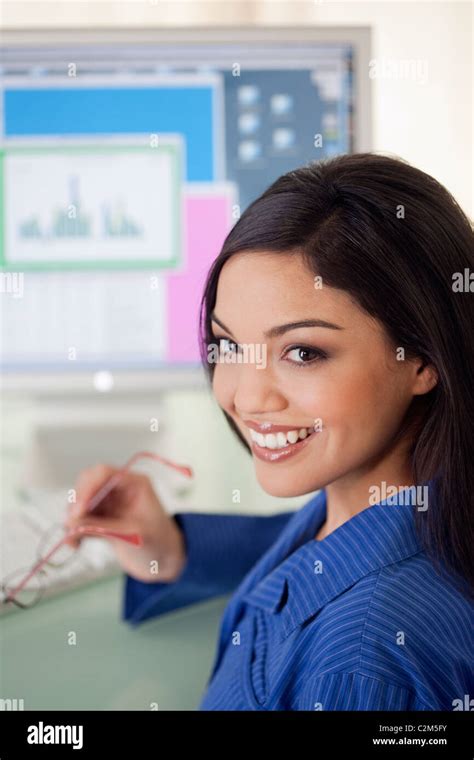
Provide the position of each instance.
(274, 332)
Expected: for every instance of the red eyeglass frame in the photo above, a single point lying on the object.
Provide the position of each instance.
(109, 485)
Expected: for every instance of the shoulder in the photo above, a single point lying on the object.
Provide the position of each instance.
(401, 635)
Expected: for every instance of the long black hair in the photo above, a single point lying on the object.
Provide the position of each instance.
(398, 242)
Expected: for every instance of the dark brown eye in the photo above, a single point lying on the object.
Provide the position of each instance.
(305, 355)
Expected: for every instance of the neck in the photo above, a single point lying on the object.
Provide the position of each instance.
(354, 492)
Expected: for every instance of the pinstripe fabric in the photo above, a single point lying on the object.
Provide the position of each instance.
(359, 621)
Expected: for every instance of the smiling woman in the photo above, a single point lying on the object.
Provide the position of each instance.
(343, 271)
(384, 344)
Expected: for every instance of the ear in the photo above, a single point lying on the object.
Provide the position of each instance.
(426, 377)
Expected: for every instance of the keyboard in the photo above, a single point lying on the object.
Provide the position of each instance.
(21, 530)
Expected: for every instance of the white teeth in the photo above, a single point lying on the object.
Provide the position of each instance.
(279, 440)
(271, 441)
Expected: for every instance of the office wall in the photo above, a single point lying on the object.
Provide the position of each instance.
(423, 113)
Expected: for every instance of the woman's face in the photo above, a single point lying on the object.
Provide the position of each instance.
(342, 380)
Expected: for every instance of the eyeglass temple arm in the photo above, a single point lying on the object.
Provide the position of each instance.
(116, 477)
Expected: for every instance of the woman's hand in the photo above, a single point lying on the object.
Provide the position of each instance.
(131, 507)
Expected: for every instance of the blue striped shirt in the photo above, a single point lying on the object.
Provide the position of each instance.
(361, 620)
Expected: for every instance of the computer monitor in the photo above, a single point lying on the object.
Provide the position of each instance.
(125, 158)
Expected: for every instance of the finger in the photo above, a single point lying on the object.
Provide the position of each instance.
(114, 524)
(73, 541)
(89, 482)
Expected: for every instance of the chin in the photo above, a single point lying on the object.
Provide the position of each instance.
(285, 489)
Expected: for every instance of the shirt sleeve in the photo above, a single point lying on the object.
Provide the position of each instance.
(220, 550)
(353, 691)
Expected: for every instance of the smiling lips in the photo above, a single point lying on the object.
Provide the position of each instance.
(277, 439)
(272, 443)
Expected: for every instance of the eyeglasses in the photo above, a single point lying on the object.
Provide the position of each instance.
(24, 587)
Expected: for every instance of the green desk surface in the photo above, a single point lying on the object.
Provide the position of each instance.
(165, 661)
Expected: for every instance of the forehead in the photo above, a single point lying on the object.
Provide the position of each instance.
(268, 286)
(277, 270)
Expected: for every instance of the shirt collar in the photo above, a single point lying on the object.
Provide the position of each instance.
(318, 571)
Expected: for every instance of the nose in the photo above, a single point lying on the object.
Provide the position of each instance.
(256, 391)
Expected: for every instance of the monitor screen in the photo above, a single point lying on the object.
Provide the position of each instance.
(123, 168)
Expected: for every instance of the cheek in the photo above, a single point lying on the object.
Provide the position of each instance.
(344, 398)
(329, 393)
(365, 400)
(223, 387)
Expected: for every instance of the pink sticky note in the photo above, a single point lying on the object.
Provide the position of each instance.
(207, 221)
